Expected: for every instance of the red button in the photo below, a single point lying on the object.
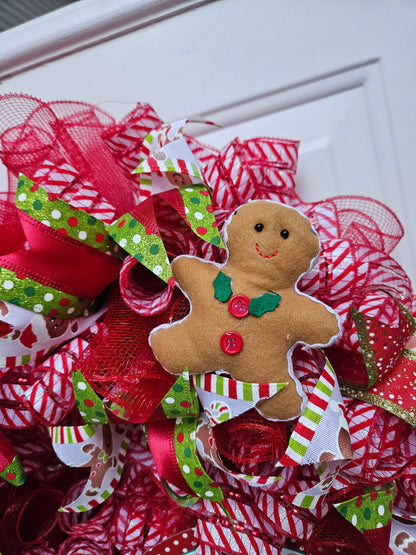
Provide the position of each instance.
(238, 306)
(231, 342)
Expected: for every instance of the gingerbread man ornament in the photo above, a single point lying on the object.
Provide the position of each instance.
(247, 315)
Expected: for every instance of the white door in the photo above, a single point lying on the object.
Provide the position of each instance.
(339, 76)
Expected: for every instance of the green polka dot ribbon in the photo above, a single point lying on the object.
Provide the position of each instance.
(117, 410)
(90, 405)
(181, 402)
(371, 510)
(32, 295)
(147, 248)
(181, 399)
(59, 215)
(189, 463)
(77, 224)
(14, 472)
(200, 214)
(182, 500)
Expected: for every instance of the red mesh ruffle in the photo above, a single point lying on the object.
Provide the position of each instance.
(120, 364)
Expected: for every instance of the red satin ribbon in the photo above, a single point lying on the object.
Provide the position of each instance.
(61, 262)
(160, 434)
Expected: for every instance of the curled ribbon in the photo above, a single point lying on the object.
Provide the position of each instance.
(176, 218)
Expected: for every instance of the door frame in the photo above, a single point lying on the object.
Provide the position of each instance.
(79, 26)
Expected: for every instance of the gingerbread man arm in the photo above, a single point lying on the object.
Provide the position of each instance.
(192, 273)
(177, 346)
(312, 322)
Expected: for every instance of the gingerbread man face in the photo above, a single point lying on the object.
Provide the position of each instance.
(58, 326)
(179, 179)
(246, 315)
(272, 241)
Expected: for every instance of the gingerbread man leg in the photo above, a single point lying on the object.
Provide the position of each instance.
(284, 405)
(406, 543)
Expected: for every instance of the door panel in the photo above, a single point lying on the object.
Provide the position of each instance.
(338, 76)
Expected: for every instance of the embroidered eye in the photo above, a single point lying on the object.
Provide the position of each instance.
(259, 227)
(284, 233)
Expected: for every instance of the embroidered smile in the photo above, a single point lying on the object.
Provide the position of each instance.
(265, 255)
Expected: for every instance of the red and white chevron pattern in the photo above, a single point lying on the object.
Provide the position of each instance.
(370, 444)
(138, 299)
(293, 524)
(274, 152)
(13, 412)
(306, 369)
(63, 181)
(86, 197)
(51, 397)
(405, 494)
(55, 178)
(127, 141)
(246, 537)
(386, 273)
(378, 305)
(231, 541)
(205, 155)
(324, 219)
(337, 275)
(236, 174)
(127, 530)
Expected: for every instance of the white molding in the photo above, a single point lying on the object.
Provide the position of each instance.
(78, 26)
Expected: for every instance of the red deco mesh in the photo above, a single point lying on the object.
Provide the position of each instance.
(367, 222)
(119, 362)
(334, 535)
(32, 131)
(250, 441)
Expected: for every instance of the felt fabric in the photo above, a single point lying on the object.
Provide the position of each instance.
(270, 245)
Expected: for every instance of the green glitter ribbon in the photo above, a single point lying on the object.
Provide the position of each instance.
(199, 213)
(147, 248)
(181, 399)
(181, 402)
(59, 215)
(371, 510)
(14, 472)
(75, 223)
(90, 405)
(189, 463)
